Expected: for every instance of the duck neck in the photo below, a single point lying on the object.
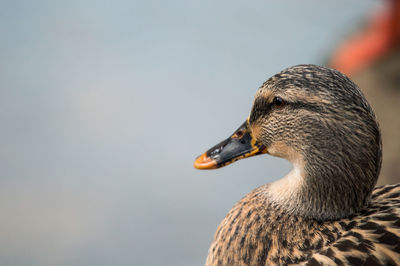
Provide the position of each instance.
(327, 190)
(332, 192)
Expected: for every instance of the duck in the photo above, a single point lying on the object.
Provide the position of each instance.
(326, 210)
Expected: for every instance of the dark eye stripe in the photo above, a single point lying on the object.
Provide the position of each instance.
(262, 107)
(306, 106)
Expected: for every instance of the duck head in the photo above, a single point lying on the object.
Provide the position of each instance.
(320, 121)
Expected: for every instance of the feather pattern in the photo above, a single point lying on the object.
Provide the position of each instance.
(255, 232)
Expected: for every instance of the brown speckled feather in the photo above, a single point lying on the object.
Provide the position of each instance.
(256, 233)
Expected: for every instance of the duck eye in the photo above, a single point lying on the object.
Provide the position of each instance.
(278, 102)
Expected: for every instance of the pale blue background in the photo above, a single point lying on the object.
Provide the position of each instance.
(105, 105)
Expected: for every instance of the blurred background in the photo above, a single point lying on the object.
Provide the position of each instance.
(104, 105)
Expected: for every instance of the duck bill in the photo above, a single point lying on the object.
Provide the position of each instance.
(241, 144)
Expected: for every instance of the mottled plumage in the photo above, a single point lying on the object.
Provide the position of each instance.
(255, 232)
(326, 210)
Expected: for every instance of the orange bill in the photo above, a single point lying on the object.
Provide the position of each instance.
(241, 144)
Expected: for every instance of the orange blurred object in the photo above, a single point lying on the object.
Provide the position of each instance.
(380, 37)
